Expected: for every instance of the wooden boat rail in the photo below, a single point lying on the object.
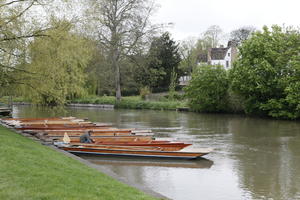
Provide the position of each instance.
(112, 138)
(162, 146)
(92, 128)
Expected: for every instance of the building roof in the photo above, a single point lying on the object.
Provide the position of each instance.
(218, 53)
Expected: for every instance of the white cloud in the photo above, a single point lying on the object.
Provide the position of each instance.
(192, 17)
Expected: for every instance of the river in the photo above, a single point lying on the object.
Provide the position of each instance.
(253, 158)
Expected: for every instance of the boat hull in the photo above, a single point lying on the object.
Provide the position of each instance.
(135, 153)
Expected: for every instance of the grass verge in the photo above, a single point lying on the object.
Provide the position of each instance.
(29, 170)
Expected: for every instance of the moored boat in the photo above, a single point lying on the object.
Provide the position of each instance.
(65, 127)
(136, 152)
(111, 138)
(166, 145)
(5, 110)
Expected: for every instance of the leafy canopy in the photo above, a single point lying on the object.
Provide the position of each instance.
(207, 91)
(163, 58)
(58, 63)
(267, 73)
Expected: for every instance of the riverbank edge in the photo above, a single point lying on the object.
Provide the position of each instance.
(100, 169)
(126, 104)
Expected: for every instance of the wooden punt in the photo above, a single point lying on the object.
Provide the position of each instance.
(53, 126)
(103, 151)
(118, 147)
(101, 133)
(104, 131)
(65, 127)
(110, 138)
(98, 134)
(4, 111)
(71, 122)
(168, 146)
(79, 131)
(40, 119)
(27, 121)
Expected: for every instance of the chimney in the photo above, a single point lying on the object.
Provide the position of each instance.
(209, 56)
(234, 52)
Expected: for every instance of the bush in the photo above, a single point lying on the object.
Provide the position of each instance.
(207, 91)
(144, 92)
(267, 73)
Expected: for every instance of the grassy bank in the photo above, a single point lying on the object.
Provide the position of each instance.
(29, 170)
(133, 102)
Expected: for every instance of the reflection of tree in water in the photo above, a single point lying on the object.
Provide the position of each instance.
(267, 154)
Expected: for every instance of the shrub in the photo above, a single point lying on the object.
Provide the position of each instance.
(144, 92)
(267, 73)
(207, 91)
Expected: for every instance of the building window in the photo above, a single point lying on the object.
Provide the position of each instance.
(229, 54)
(227, 64)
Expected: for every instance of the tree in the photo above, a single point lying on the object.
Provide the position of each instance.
(163, 58)
(188, 55)
(121, 27)
(57, 66)
(213, 34)
(241, 34)
(267, 73)
(17, 29)
(99, 72)
(191, 50)
(207, 91)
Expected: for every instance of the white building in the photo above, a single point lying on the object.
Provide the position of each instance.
(220, 56)
(215, 56)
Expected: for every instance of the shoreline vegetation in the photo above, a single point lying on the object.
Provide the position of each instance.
(33, 171)
(131, 102)
(158, 102)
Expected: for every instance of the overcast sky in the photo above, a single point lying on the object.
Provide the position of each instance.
(192, 17)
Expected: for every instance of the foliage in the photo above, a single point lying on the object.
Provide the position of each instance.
(144, 91)
(173, 84)
(213, 35)
(58, 64)
(193, 50)
(207, 91)
(241, 34)
(267, 73)
(17, 28)
(133, 102)
(163, 57)
(189, 54)
(121, 27)
(99, 74)
(29, 170)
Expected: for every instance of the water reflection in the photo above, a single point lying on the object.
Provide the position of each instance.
(123, 161)
(253, 159)
(267, 154)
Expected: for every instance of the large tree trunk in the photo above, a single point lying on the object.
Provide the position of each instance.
(116, 66)
(118, 82)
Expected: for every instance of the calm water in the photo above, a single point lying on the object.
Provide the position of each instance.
(253, 158)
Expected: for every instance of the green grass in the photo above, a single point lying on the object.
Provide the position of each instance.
(133, 102)
(29, 170)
